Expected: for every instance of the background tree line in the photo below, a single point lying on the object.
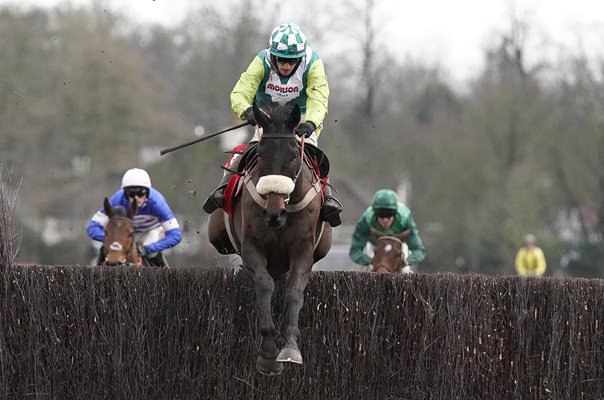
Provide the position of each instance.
(87, 95)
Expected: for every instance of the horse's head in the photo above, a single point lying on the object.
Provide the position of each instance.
(279, 159)
(388, 252)
(119, 244)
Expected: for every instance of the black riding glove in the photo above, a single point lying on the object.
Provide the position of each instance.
(141, 250)
(249, 116)
(305, 128)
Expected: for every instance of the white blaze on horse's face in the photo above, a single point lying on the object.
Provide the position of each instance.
(388, 248)
(278, 184)
(116, 246)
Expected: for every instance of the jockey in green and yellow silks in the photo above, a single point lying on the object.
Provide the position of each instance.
(288, 72)
(305, 85)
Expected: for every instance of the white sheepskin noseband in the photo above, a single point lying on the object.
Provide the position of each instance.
(275, 184)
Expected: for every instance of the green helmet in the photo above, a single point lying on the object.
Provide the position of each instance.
(385, 199)
(287, 41)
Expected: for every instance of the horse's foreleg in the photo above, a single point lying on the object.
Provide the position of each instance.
(265, 286)
(294, 298)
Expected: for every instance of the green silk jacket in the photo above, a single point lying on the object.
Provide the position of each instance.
(403, 220)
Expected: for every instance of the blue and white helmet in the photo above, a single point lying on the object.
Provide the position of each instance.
(287, 41)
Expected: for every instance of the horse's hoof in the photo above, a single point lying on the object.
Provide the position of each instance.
(288, 354)
(268, 366)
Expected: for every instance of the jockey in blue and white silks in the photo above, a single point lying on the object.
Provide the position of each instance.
(155, 226)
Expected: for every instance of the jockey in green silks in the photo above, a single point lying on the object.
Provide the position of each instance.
(389, 216)
(288, 72)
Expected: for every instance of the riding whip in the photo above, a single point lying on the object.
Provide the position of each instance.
(201, 139)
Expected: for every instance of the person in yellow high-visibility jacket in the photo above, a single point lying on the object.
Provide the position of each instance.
(530, 260)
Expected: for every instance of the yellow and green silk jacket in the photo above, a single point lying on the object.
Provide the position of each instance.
(307, 87)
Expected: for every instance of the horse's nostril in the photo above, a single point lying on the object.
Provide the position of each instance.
(282, 214)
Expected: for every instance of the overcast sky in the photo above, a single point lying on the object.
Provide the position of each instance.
(453, 34)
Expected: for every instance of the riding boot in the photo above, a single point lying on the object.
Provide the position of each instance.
(158, 260)
(216, 198)
(331, 209)
(102, 255)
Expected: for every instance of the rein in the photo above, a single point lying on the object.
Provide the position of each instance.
(391, 238)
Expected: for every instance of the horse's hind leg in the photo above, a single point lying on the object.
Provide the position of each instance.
(266, 362)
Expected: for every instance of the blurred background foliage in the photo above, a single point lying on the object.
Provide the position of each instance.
(87, 94)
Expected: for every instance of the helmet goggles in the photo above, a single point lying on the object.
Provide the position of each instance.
(136, 191)
(384, 213)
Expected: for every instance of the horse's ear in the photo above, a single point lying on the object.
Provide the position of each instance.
(261, 117)
(132, 210)
(294, 117)
(107, 207)
(376, 233)
(403, 235)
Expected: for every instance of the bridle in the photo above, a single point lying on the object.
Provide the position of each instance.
(130, 253)
(399, 253)
(301, 143)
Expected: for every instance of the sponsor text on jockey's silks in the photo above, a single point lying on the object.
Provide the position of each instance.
(283, 90)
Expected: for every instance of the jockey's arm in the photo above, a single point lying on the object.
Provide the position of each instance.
(96, 226)
(357, 246)
(317, 92)
(172, 238)
(173, 234)
(246, 87)
(95, 230)
(415, 244)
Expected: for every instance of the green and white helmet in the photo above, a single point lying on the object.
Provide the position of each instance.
(287, 41)
(385, 199)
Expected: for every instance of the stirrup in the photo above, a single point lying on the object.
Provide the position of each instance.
(213, 203)
(333, 219)
(330, 211)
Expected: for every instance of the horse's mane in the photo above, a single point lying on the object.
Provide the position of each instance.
(278, 113)
(119, 211)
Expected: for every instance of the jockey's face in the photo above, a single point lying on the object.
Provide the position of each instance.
(286, 65)
(140, 200)
(385, 222)
(137, 194)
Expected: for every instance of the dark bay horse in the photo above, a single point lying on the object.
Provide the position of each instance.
(119, 245)
(389, 251)
(276, 228)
